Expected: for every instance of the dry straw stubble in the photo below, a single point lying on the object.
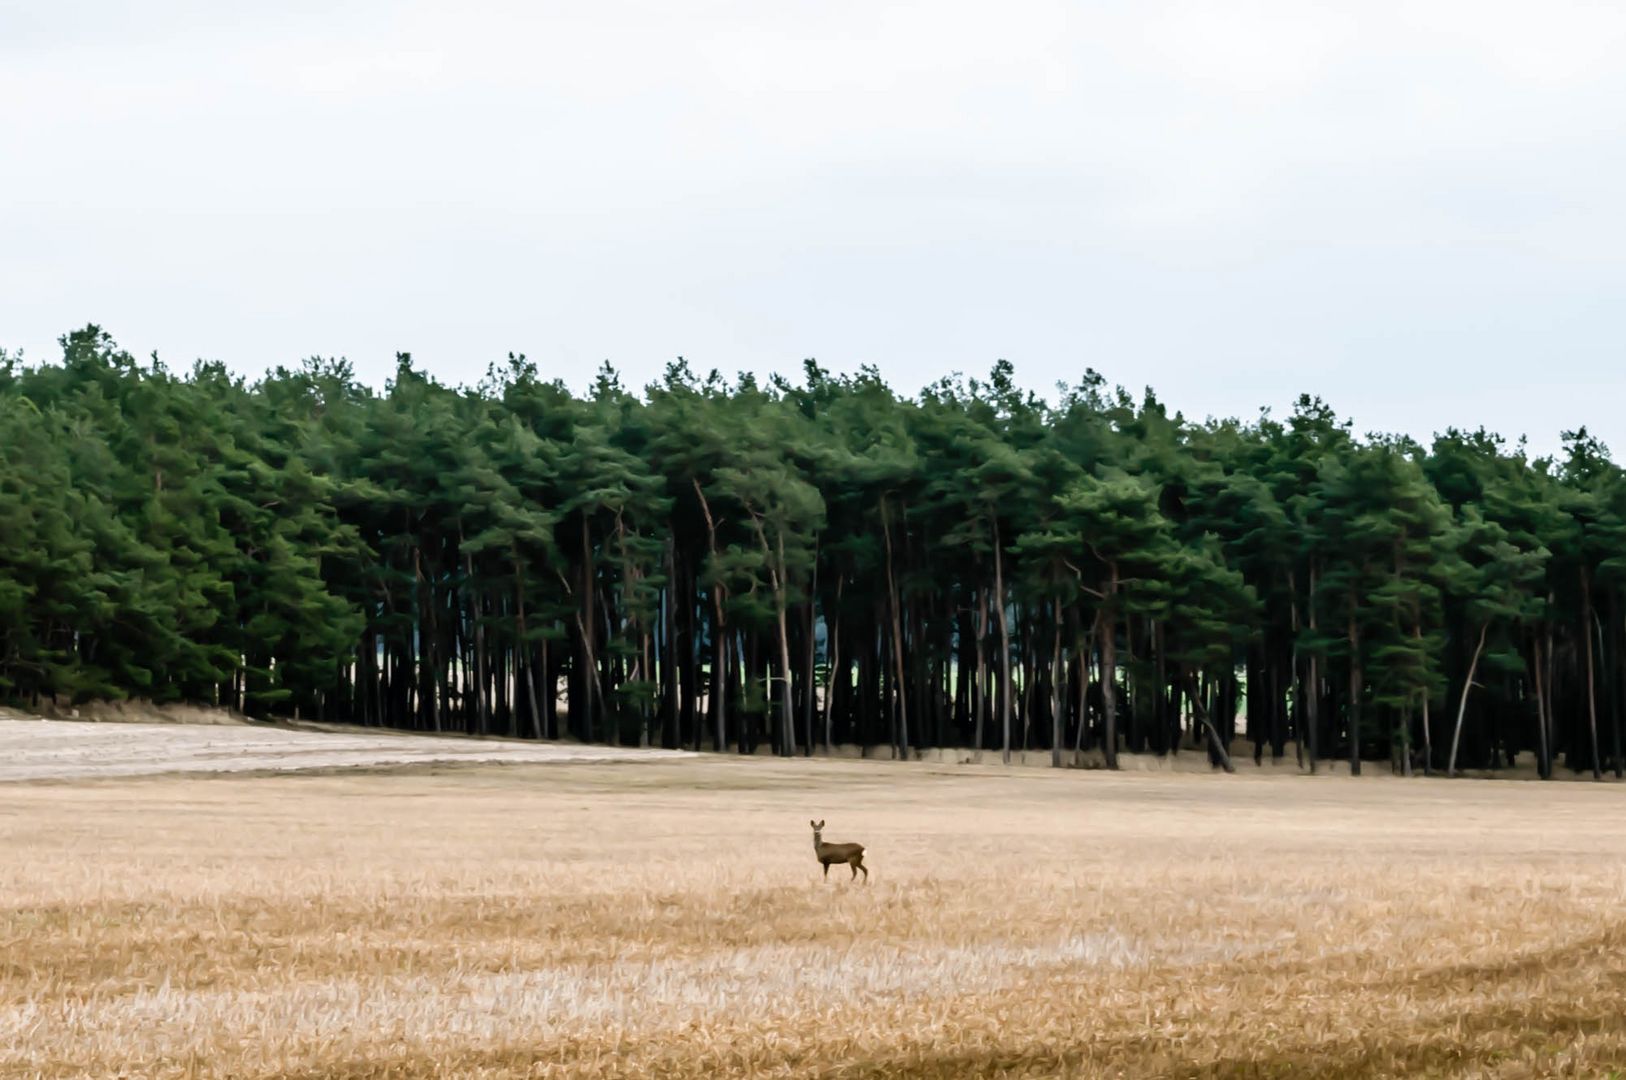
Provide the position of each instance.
(669, 918)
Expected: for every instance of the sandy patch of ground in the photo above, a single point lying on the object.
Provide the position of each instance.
(32, 749)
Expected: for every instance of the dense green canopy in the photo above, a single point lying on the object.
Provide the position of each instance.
(719, 564)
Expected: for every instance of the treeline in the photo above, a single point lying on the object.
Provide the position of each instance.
(727, 565)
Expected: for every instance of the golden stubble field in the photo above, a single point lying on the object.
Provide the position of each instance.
(668, 919)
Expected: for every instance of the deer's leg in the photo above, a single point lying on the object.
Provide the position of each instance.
(865, 869)
(827, 871)
(853, 866)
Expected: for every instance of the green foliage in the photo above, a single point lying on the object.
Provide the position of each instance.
(785, 558)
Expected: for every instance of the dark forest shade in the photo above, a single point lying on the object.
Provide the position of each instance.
(735, 566)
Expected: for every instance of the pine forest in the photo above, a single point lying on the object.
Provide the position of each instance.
(786, 566)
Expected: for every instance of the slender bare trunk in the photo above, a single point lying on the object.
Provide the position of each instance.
(479, 649)
(1004, 649)
(1550, 681)
(1607, 625)
(1462, 702)
(810, 687)
(744, 736)
(1313, 699)
(1354, 695)
(719, 629)
(586, 626)
(1084, 684)
(428, 644)
(835, 668)
(1428, 735)
(522, 652)
(719, 678)
(1057, 736)
(980, 689)
(671, 672)
(1298, 675)
(1027, 666)
(1201, 713)
(545, 684)
(902, 747)
(1109, 680)
(787, 715)
(1591, 695)
(647, 673)
(1403, 743)
(1545, 763)
(779, 575)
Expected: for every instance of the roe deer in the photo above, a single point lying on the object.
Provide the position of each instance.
(851, 854)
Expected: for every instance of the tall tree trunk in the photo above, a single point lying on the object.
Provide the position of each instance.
(647, 674)
(1296, 677)
(1611, 667)
(1257, 725)
(719, 677)
(1550, 658)
(428, 640)
(833, 625)
(1135, 737)
(1160, 700)
(522, 649)
(1354, 695)
(719, 630)
(1428, 735)
(787, 714)
(667, 663)
(691, 721)
(1462, 702)
(480, 681)
(1544, 763)
(1109, 679)
(810, 682)
(902, 747)
(1312, 700)
(1591, 695)
(1278, 708)
(1027, 666)
(1004, 649)
(1403, 742)
(1216, 743)
(1057, 737)
(980, 688)
(586, 624)
(1086, 650)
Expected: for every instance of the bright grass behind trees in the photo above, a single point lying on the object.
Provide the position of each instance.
(736, 565)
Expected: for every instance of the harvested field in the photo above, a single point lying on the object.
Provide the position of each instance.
(668, 918)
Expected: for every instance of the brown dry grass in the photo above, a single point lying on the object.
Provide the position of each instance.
(668, 919)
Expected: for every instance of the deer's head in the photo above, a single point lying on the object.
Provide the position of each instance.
(818, 827)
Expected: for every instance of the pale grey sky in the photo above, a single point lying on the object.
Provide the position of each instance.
(1412, 209)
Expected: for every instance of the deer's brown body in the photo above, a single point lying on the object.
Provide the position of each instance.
(851, 854)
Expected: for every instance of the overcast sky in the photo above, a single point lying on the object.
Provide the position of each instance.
(1414, 210)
